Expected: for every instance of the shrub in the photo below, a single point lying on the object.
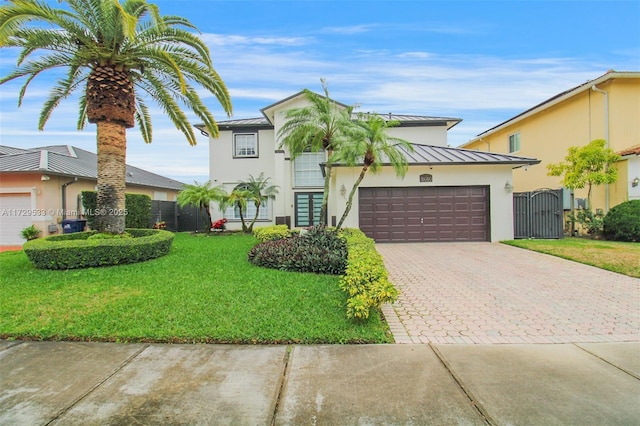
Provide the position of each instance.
(274, 232)
(78, 250)
(320, 251)
(589, 221)
(30, 233)
(138, 207)
(622, 222)
(365, 281)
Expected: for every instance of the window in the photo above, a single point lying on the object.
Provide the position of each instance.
(514, 142)
(307, 171)
(233, 212)
(308, 205)
(245, 145)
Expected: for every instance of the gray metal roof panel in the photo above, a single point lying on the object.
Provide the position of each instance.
(75, 162)
(439, 155)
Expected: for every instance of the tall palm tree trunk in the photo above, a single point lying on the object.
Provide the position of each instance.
(112, 147)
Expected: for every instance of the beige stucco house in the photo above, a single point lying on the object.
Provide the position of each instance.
(41, 187)
(607, 107)
(448, 194)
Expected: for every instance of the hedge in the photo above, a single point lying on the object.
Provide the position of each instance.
(77, 250)
(138, 207)
(365, 280)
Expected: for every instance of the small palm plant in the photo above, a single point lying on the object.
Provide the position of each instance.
(201, 196)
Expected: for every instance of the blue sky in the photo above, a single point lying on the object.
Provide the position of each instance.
(480, 61)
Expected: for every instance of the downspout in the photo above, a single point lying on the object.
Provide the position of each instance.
(606, 139)
(64, 196)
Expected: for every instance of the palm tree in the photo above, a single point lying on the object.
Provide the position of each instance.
(239, 198)
(320, 126)
(371, 146)
(201, 196)
(114, 53)
(256, 191)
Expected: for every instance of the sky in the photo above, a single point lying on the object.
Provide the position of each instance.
(481, 61)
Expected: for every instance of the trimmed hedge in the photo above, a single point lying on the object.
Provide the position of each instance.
(273, 232)
(138, 207)
(622, 222)
(76, 250)
(365, 280)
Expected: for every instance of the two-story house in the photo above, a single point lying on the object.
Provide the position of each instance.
(607, 107)
(448, 194)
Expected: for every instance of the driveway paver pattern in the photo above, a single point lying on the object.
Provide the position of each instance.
(493, 293)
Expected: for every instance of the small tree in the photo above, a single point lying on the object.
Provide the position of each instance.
(261, 191)
(587, 166)
(201, 195)
(371, 146)
(256, 191)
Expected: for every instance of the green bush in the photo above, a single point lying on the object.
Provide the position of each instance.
(274, 232)
(622, 222)
(30, 233)
(138, 207)
(77, 250)
(365, 281)
(320, 251)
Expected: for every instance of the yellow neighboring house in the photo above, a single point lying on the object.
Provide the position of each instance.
(607, 107)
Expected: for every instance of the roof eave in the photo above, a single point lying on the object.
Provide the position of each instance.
(554, 100)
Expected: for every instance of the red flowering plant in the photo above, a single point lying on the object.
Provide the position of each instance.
(160, 225)
(219, 225)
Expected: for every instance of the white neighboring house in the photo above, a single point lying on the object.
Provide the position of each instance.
(448, 194)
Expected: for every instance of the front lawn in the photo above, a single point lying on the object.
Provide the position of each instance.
(204, 290)
(615, 256)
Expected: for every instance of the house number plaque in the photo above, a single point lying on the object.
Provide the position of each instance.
(426, 178)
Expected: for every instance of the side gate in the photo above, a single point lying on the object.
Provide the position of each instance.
(538, 214)
(178, 219)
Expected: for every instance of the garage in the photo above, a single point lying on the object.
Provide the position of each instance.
(442, 213)
(14, 209)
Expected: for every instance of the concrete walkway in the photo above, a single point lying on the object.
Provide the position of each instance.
(493, 293)
(72, 383)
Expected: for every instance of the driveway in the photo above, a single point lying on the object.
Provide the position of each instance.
(493, 293)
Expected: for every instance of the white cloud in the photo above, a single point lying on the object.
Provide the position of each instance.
(228, 40)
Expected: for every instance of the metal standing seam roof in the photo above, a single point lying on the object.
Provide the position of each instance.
(65, 160)
(431, 155)
(404, 119)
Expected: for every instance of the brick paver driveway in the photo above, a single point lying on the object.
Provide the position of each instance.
(493, 293)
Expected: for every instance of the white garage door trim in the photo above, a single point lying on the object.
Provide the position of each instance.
(15, 205)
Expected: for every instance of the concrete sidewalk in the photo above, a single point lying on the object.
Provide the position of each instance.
(70, 383)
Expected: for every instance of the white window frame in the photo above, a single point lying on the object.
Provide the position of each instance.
(306, 170)
(233, 212)
(514, 142)
(243, 149)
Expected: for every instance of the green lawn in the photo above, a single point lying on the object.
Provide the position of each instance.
(204, 290)
(615, 256)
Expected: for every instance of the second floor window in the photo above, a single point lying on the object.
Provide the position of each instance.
(307, 169)
(514, 142)
(245, 145)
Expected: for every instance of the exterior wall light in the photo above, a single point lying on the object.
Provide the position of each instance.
(44, 177)
(343, 190)
(508, 187)
(635, 182)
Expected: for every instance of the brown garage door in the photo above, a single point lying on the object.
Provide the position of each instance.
(452, 213)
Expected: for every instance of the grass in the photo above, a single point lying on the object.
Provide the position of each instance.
(615, 256)
(203, 291)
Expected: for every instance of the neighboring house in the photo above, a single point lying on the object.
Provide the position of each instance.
(42, 186)
(448, 194)
(605, 108)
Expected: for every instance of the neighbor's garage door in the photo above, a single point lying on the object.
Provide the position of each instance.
(14, 218)
(425, 214)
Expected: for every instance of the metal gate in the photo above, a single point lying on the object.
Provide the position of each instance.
(177, 219)
(538, 214)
